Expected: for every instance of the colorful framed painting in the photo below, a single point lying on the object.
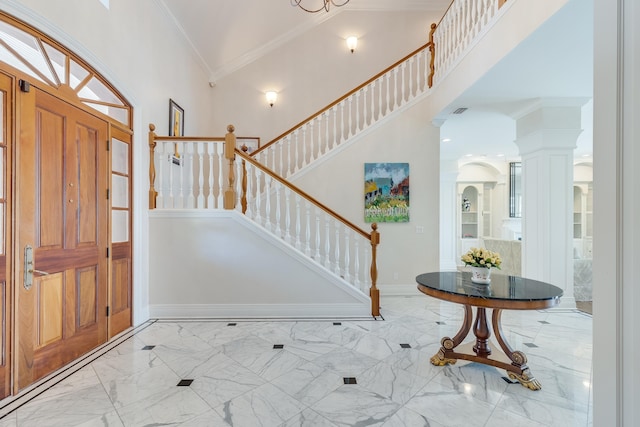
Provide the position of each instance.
(386, 192)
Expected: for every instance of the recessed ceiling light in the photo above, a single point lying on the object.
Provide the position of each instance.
(446, 140)
(468, 155)
(500, 155)
(586, 155)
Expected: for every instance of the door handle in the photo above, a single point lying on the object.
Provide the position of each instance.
(28, 267)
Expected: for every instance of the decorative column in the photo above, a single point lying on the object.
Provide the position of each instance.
(546, 137)
(449, 214)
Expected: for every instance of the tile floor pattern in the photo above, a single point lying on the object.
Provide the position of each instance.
(240, 380)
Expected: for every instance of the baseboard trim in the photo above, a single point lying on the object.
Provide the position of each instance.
(259, 311)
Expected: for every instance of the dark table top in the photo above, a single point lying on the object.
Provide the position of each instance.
(503, 292)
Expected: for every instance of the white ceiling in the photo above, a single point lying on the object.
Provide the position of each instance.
(556, 61)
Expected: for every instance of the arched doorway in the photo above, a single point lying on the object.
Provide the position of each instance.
(65, 201)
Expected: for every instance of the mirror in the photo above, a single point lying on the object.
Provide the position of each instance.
(515, 190)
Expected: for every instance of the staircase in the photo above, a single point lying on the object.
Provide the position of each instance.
(210, 173)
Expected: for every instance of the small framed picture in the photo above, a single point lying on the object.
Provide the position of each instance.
(252, 143)
(176, 119)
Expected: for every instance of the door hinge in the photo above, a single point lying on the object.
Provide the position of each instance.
(108, 311)
(107, 194)
(107, 252)
(108, 145)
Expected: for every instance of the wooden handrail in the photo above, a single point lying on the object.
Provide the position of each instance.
(305, 195)
(348, 94)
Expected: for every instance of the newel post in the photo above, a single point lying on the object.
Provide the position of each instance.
(152, 167)
(432, 51)
(230, 155)
(374, 292)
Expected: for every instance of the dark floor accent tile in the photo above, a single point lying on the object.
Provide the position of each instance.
(544, 322)
(405, 345)
(231, 324)
(337, 323)
(349, 380)
(278, 346)
(530, 344)
(441, 323)
(148, 347)
(509, 380)
(185, 383)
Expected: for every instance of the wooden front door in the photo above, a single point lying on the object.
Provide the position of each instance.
(61, 214)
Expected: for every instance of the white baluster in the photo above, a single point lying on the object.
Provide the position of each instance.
(290, 166)
(367, 268)
(357, 128)
(336, 136)
(327, 142)
(200, 154)
(312, 141)
(411, 85)
(318, 255)
(172, 200)
(258, 190)
(307, 230)
(278, 230)
(237, 184)
(373, 101)
(327, 243)
(347, 249)
(220, 162)
(336, 249)
(160, 178)
(267, 206)
(210, 195)
(304, 145)
(181, 173)
(287, 215)
(249, 168)
(396, 80)
(350, 133)
(282, 171)
(298, 244)
(387, 104)
(356, 262)
(296, 150)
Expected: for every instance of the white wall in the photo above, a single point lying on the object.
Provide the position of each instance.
(135, 47)
(220, 264)
(404, 251)
(315, 69)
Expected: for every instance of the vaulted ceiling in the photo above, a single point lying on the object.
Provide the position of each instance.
(556, 61)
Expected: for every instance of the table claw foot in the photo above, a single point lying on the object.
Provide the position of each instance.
(439, 360)
(526, 380)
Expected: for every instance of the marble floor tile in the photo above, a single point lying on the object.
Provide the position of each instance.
(308, 418)
(265, 406)
(352, 405)
(308, 383)
(391, 382)
(239, 379)
(406, 417)
(450, 406)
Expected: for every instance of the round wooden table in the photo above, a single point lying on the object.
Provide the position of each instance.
(504, 292)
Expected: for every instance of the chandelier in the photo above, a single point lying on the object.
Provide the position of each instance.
(325, 6)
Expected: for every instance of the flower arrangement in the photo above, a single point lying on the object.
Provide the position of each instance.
(481, 257)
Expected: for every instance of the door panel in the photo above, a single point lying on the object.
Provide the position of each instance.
(61, 204)
(121, 271)
(6, 134)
